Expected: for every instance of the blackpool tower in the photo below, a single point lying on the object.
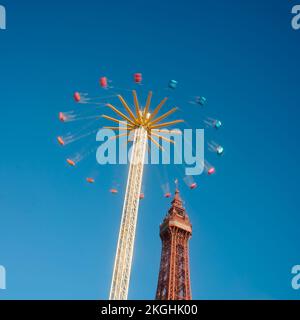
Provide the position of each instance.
(174, 274)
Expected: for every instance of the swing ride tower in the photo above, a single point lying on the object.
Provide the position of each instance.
(122, 267)
(145, 126)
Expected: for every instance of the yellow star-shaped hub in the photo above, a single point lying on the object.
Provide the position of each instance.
(143, 118)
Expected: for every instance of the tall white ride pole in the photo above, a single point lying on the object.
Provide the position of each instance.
(123, 260)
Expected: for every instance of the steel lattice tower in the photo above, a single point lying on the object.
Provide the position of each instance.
(174, 274)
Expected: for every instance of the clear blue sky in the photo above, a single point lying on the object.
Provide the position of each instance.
(58, 235)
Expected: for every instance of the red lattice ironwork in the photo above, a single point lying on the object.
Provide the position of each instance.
(174, 274)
